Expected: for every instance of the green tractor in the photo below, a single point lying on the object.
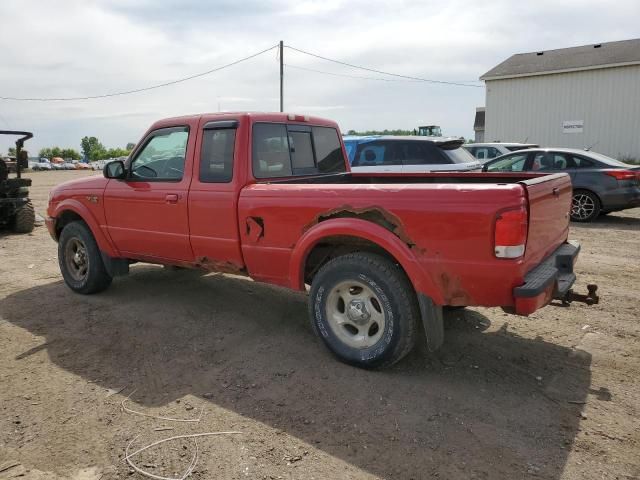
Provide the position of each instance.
(429, 131)
(16, 210)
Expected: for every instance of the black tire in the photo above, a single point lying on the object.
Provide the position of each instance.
(93, 277)
(24, 219)
(395, 302)
(585, 206)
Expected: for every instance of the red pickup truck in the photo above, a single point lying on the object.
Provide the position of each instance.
(270, 196)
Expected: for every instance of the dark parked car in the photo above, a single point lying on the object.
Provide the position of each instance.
(600, 184)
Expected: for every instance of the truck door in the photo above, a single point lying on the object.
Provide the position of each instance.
(213, 198)
(147, 212)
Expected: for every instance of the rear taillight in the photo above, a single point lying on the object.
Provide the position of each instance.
(623, 174)
(511, 233)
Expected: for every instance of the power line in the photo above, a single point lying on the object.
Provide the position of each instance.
(288, 65)
(360, 77)
(427, 80)
(144, 89)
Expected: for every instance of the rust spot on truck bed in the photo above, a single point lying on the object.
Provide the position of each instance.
(373, 214)
(453, 292)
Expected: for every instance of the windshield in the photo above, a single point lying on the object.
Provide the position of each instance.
(459, 155)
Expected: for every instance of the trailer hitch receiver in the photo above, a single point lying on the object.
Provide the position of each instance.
(591, 298)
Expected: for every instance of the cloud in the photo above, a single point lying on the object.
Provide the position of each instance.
(75, 48)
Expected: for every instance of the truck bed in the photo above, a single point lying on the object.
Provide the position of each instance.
(446, 220)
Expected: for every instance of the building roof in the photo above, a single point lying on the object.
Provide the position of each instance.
(585, 57)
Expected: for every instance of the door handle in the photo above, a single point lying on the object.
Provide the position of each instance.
(171, 198)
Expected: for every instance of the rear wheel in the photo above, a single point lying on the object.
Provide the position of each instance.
(80, 260)
(585, 206)
(364, 309)
(25, 218)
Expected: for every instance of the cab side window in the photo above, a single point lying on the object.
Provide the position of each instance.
(162, 157)
(216, 157)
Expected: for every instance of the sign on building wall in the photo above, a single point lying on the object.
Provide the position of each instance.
(572, 126)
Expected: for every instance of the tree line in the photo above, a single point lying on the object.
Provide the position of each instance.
(90, 148)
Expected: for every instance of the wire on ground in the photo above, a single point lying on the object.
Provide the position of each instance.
(192, 464)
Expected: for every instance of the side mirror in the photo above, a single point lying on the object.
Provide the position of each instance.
(115, 170)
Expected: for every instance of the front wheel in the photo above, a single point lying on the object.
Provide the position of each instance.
(80, 260)
(585, 206)
(364, 309)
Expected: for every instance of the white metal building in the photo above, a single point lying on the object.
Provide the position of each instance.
(577, 97)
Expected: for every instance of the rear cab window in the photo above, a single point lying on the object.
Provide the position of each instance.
(283, 150)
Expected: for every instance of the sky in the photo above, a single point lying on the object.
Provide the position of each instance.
(71, 48)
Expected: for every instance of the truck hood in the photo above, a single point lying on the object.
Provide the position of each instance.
(97, 182)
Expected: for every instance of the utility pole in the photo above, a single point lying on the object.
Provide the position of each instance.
(281, 76)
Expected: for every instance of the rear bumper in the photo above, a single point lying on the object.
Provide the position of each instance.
(621, 198)
(552, 278)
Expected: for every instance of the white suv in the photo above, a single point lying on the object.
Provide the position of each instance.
(408, 154)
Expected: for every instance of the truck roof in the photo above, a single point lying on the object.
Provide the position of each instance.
(256, 116)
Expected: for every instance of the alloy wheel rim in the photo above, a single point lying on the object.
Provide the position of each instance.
(582, 207)
(76, 258)
(355, 314)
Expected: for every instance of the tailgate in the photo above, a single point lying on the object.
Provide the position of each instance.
(549, 198)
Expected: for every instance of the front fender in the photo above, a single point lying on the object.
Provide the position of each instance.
(75, 206)
(353, 227)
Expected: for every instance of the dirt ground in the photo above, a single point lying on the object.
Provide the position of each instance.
(553, 396)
